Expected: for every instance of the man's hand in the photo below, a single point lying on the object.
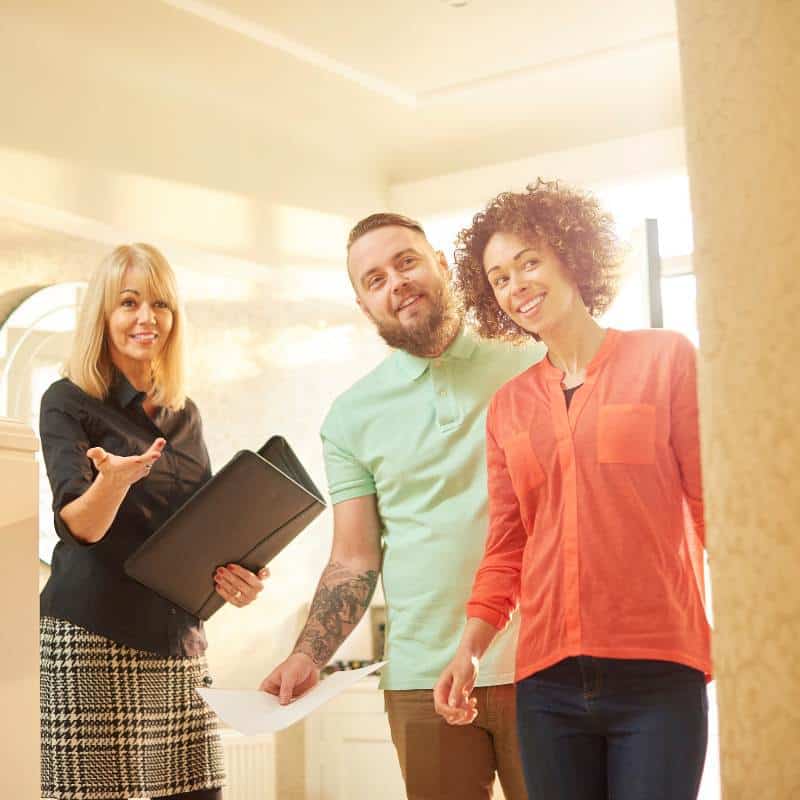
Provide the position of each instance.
(343, 594)
(451, 695)
(292, 678)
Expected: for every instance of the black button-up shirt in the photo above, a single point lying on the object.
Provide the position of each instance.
(87, 585)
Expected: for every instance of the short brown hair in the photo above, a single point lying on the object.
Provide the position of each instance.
(570, 221)
(383, 219)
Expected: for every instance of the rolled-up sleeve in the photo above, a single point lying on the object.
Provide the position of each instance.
(64, 446)
(496, 588)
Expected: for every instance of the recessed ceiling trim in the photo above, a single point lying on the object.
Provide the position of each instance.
(259, 33)
(499, 79)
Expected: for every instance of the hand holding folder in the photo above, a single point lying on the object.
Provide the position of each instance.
(246, 514)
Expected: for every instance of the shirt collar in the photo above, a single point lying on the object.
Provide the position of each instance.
(462, 347)
(607, 346)
(122, 392)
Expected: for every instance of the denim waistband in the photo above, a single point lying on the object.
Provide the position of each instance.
(582, 672)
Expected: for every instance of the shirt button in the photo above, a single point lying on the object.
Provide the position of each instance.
(208, 680)
(173, 611)
(442, 393)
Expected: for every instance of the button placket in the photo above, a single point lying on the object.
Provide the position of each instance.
(561, 420)
(444, 397)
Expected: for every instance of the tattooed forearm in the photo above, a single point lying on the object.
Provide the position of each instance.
(339, 603)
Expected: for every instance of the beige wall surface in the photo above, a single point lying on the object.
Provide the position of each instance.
(741, 73)
(611, 162)
(19, 637)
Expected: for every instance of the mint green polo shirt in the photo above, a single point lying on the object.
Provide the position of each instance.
(412, 433)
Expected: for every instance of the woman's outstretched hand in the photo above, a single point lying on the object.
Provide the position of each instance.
(123, 471)
(90, 516)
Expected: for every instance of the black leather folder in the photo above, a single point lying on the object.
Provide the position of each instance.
(246, 514)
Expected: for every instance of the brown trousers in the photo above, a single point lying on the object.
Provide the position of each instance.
(457, 762)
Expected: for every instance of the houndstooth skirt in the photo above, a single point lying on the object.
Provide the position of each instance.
(119, 722)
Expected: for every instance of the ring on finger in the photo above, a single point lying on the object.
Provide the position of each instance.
(147, 467)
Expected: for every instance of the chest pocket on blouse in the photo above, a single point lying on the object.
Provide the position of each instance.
(626, 434)
(523, 466)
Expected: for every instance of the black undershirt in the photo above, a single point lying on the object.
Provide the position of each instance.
(569, 392)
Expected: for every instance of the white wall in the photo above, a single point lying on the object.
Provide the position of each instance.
(611, 163)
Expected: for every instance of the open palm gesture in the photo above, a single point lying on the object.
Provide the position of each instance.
(125, 470)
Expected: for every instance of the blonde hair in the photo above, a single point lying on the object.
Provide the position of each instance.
(90, 366)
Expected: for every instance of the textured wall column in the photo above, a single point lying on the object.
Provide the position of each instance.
(741, 78)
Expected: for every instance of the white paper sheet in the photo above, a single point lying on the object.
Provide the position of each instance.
(252, 712)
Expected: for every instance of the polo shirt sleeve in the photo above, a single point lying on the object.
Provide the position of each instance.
(684, 429)
(496, 588)
(347, 476)
(64, 446)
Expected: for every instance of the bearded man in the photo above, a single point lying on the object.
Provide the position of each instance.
(405, 461)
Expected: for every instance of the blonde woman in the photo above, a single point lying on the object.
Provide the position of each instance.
(124, 448)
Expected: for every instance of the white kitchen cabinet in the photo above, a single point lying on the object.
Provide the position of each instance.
(349, 751)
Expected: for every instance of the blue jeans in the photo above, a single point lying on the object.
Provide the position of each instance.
(613, 729)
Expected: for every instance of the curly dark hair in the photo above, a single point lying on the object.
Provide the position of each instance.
(569, 220)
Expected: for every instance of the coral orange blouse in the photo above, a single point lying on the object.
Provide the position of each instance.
(596, 512)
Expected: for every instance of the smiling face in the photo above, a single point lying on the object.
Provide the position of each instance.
(529, 281)
(402, 285)
(138, 325)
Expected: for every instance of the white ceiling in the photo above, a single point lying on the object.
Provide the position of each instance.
(426, 47)
(418, 88)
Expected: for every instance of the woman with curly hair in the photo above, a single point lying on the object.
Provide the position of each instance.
(593, 456)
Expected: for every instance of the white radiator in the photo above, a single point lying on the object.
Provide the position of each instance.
(250, 762)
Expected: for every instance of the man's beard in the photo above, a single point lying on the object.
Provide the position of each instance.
(429, 336)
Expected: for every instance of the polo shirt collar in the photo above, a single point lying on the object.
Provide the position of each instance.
(462, 347)
(122, 392)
